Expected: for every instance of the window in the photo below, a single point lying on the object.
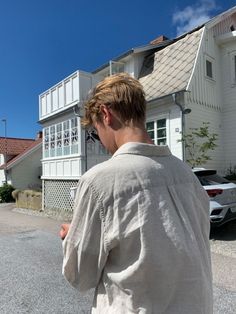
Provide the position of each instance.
(61, 139)
(233, 68)
(116, 67)
(157, 131)
(209, 69)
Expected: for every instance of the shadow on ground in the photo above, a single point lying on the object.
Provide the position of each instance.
(227, 232)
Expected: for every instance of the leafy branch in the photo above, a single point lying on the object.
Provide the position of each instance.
(198, 142)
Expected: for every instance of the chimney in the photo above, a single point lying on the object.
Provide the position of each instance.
(158, 40)
(39, 135)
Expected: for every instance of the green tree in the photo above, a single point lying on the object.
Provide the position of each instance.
(6, 193)
(198, 142)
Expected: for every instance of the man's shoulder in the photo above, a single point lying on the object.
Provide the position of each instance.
(99, 169)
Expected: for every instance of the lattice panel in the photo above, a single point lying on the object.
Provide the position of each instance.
(57, 194)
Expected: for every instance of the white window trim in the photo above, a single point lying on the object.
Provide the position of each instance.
(212, 60)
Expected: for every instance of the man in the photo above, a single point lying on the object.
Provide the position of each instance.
(140, 230)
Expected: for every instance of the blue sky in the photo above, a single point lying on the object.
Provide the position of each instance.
(43, 41)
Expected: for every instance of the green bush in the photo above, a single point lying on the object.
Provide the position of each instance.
(231, 173)
(6, 193)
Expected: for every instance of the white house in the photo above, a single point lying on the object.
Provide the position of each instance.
(22, 168)
(196, 71)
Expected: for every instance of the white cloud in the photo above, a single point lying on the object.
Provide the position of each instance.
(193, 16)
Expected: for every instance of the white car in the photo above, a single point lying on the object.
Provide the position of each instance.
(222, 194)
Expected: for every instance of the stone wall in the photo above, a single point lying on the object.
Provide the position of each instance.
(28, 199)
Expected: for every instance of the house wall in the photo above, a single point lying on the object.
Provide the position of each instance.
(228, 51)
(2, 174)
(164, 108)
(26, 173)
(205, 97)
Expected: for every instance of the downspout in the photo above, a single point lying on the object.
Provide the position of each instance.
(183, 113)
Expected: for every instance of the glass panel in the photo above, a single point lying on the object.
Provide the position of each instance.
(161, 133)
(150, 126)
(161, 141)
(66, 137)
(117, 67)
(151, 134)
(74, 149)
(161, 123)
(46, 142)
(208, 68)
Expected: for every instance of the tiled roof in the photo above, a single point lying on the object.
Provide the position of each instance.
(14, 146)
(169, 70)
(25, 152)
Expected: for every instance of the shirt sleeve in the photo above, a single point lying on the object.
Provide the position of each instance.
(84, 248)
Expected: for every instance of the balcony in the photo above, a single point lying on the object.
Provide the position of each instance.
(67, 93)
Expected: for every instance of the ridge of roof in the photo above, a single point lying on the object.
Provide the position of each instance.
(17, 138)
(167, 42)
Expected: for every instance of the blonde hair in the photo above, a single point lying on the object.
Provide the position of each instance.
(121, 93)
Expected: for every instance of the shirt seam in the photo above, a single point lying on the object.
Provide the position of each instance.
(101, 209)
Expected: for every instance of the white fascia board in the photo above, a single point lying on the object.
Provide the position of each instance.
(196, 58)
(227, 37)
(220, 17)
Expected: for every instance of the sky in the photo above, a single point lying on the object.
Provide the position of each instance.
(44, 41)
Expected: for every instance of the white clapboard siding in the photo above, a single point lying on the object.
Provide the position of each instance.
(214, 100)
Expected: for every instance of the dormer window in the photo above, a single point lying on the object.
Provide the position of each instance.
(116, 67)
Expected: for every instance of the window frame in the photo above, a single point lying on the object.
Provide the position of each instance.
(210, 60)
(65, 132)
(233, 68)
(155, 119)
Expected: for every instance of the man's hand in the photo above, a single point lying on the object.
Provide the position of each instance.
(64, 230)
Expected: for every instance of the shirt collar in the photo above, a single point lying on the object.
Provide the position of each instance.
(136, 148)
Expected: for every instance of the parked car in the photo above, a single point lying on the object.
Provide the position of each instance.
(222, 194)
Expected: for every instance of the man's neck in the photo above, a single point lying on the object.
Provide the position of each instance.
(132, 134)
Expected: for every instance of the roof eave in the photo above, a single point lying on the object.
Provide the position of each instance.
(149, 101)
(24, 155)
(135, 50)
(215, 20)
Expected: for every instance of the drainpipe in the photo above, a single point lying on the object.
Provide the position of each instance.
(183, 113)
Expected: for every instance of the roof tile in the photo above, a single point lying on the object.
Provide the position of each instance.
(171, 68)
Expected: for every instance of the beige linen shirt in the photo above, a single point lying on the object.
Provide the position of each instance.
(140, 235)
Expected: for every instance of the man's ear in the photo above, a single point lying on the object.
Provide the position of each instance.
(106, 114)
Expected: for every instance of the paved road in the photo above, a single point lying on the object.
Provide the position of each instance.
(30, 268)
(223, 252)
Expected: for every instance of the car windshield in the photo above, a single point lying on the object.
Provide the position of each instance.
(208, 178)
